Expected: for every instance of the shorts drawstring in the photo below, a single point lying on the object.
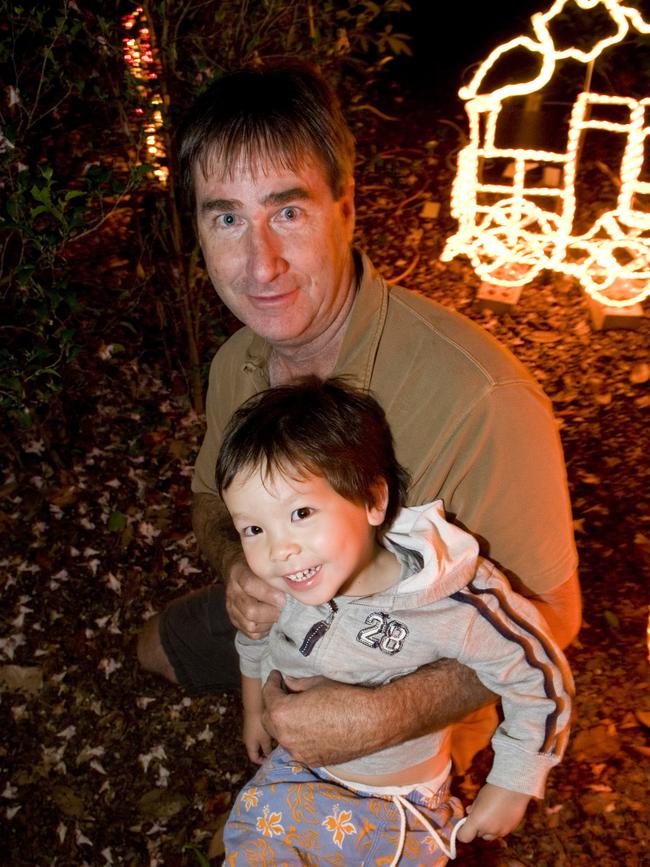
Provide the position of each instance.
(401, 803)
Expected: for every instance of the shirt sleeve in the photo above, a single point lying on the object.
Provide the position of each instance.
(203, 481)
(507, 644)
(250, 653)
(233, 379)
(507, 485)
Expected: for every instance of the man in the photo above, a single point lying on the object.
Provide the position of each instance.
(269, 160)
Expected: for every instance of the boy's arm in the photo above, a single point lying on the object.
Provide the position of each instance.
(251, 654)
(509, 646)
(256, 739)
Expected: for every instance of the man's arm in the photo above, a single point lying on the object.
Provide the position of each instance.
(215, 533)
(426, 700)
(562, 610)
(356, 720)
(253, 606)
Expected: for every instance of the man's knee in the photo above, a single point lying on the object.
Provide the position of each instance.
(151, 654)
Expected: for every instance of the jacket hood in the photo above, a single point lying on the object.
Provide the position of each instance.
(437, 557)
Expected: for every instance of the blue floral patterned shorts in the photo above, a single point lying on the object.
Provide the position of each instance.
(289, 814)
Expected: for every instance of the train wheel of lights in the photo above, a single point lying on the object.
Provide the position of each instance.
(511, 242)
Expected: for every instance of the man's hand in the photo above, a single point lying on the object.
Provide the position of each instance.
(253, 606)
(495, 813)
(302, 714)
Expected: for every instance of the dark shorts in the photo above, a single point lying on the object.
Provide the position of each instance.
(199, 641)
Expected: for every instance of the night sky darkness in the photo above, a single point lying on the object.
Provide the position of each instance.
(450, 36)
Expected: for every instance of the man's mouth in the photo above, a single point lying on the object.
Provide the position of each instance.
(272, 299)
(302, 575)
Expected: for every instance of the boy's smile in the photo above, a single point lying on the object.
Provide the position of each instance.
(303, 577)
(303, 537)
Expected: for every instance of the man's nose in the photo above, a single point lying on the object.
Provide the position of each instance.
(266, 261)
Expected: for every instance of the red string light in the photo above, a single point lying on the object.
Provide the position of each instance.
(141, 64)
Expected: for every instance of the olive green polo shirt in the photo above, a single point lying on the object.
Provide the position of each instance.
(469, 423)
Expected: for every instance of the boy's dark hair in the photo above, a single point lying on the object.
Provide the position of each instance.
(327, 428)
(281, 112)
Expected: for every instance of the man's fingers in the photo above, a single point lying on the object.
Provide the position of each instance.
(302, 684)
(253, 606)
(254, 619)
(260, 592)
(273, 691)
(273, 687)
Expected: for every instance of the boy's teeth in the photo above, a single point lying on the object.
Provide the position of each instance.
(304, 574)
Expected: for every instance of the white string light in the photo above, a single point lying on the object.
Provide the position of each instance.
(504, 229)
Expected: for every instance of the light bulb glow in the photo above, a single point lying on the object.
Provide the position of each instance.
(512, 230)
(141, 64)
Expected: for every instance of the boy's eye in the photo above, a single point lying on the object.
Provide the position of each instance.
(253, 530)
(301, 513)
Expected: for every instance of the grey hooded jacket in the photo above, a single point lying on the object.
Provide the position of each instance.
(449, 602)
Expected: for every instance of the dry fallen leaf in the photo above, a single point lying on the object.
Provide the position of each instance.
(643, 717)
(161, 804)
(543, 336)
(640, 373)
(68, 801)
(595, 744)
(596, 803)
(216, 843)
(22, 678)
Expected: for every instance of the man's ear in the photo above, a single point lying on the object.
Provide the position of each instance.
(346, 203)
(376, 512)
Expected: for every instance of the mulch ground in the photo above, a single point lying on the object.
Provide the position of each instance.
(101, 764)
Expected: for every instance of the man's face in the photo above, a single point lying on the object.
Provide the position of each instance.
(277, 248)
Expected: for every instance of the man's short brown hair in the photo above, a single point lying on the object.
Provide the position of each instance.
(282, 114)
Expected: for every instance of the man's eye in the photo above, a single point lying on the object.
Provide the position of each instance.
(253, 530)
(227, 220)
(301, 513)
(290, 214)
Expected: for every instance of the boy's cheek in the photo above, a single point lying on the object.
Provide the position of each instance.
(257, 564)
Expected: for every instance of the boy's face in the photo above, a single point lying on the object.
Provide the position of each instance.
(305, 539)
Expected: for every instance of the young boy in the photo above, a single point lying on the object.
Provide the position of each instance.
(309, 475)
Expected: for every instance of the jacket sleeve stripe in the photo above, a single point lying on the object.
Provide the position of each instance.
(519, 619)
(551, 650)
(506, 622)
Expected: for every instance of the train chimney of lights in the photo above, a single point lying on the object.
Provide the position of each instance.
(514, 228)
(139, 57)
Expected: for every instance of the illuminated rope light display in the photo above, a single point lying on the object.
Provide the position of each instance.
(505, 230)
(138, 55)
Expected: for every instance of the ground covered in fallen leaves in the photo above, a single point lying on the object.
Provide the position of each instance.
(101, 764)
